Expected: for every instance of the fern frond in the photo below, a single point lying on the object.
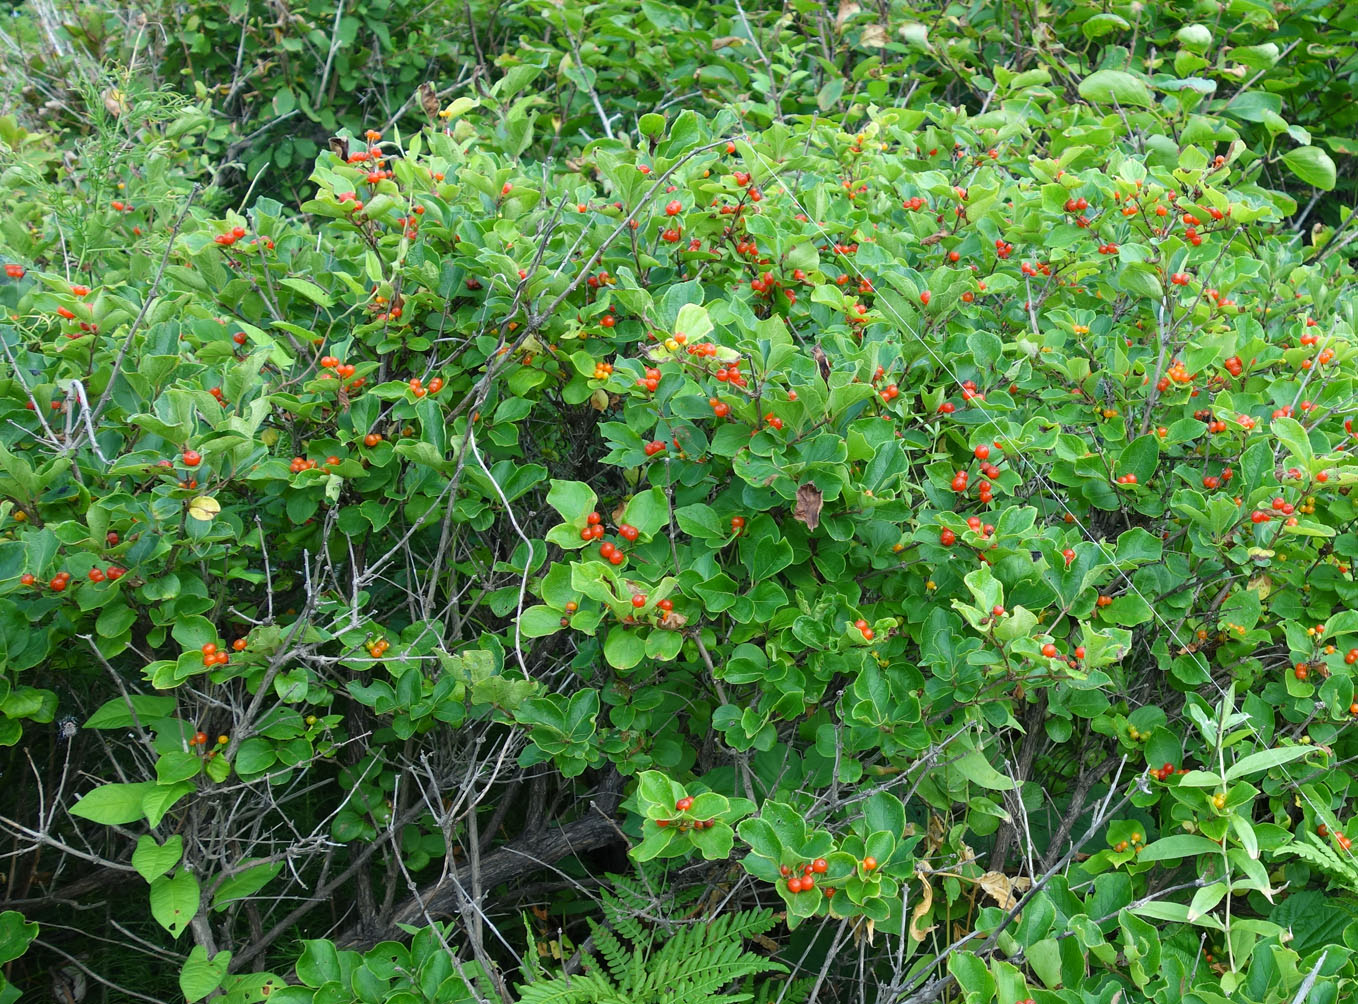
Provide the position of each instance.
(784, 991)
(586, 988)
(694, 963)
(700, 984)
(1319, 855)
(621, 911)
(618, 958)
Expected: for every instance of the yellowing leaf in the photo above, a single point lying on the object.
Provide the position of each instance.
(925, 904)
(996, 885)
(204, 508)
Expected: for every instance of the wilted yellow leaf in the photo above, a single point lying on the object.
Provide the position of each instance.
(996, 884)
(204, 508)
(873, 36)
(921, 908)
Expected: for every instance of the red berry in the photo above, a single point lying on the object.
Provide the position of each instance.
(794, 884)
(192, 458)
(820, 866)
(684, 804)
(639, 600)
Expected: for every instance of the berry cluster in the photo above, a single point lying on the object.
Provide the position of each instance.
(805, 882)
(213, 656)
(684, 805)
(229, 238)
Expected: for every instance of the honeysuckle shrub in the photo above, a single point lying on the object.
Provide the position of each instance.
(933, 525)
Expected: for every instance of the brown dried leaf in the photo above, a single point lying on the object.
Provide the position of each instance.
(921, 908)
(673, 621)
(115, 101)
(429, 100)
(847, 9)
(997, 885)
(936, 833)
(818, 354)
(873, 35)
(340, 146)
(934, 238)
(599, 400)
(727, 40)
(810, 499)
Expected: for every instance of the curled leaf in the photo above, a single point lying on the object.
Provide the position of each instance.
(998, 887)
(810, 499)
(925, 904)
(429, 100)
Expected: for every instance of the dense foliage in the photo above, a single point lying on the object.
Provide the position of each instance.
(875, 524)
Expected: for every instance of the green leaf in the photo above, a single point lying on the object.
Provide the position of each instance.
(624, 648)
(15, 935)
(244, 884)
(177, 765)
(1181, 845)
(1312, 165)
(1103, 24)
(973, 976)
(693, 322)
(121, 712)
(174, 901)
(152, 859)
(319, 963)
(539, 621)
(114, 804)
(308, 289)
(648, 512)
(161, 798)
(656, 842)
(1115, 86)
(1140, 279)
(976, 768)
(1266, 760)
(1293, 435)
(1195, 37)
(201, 976)
(574, 500)
(1139, 457)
